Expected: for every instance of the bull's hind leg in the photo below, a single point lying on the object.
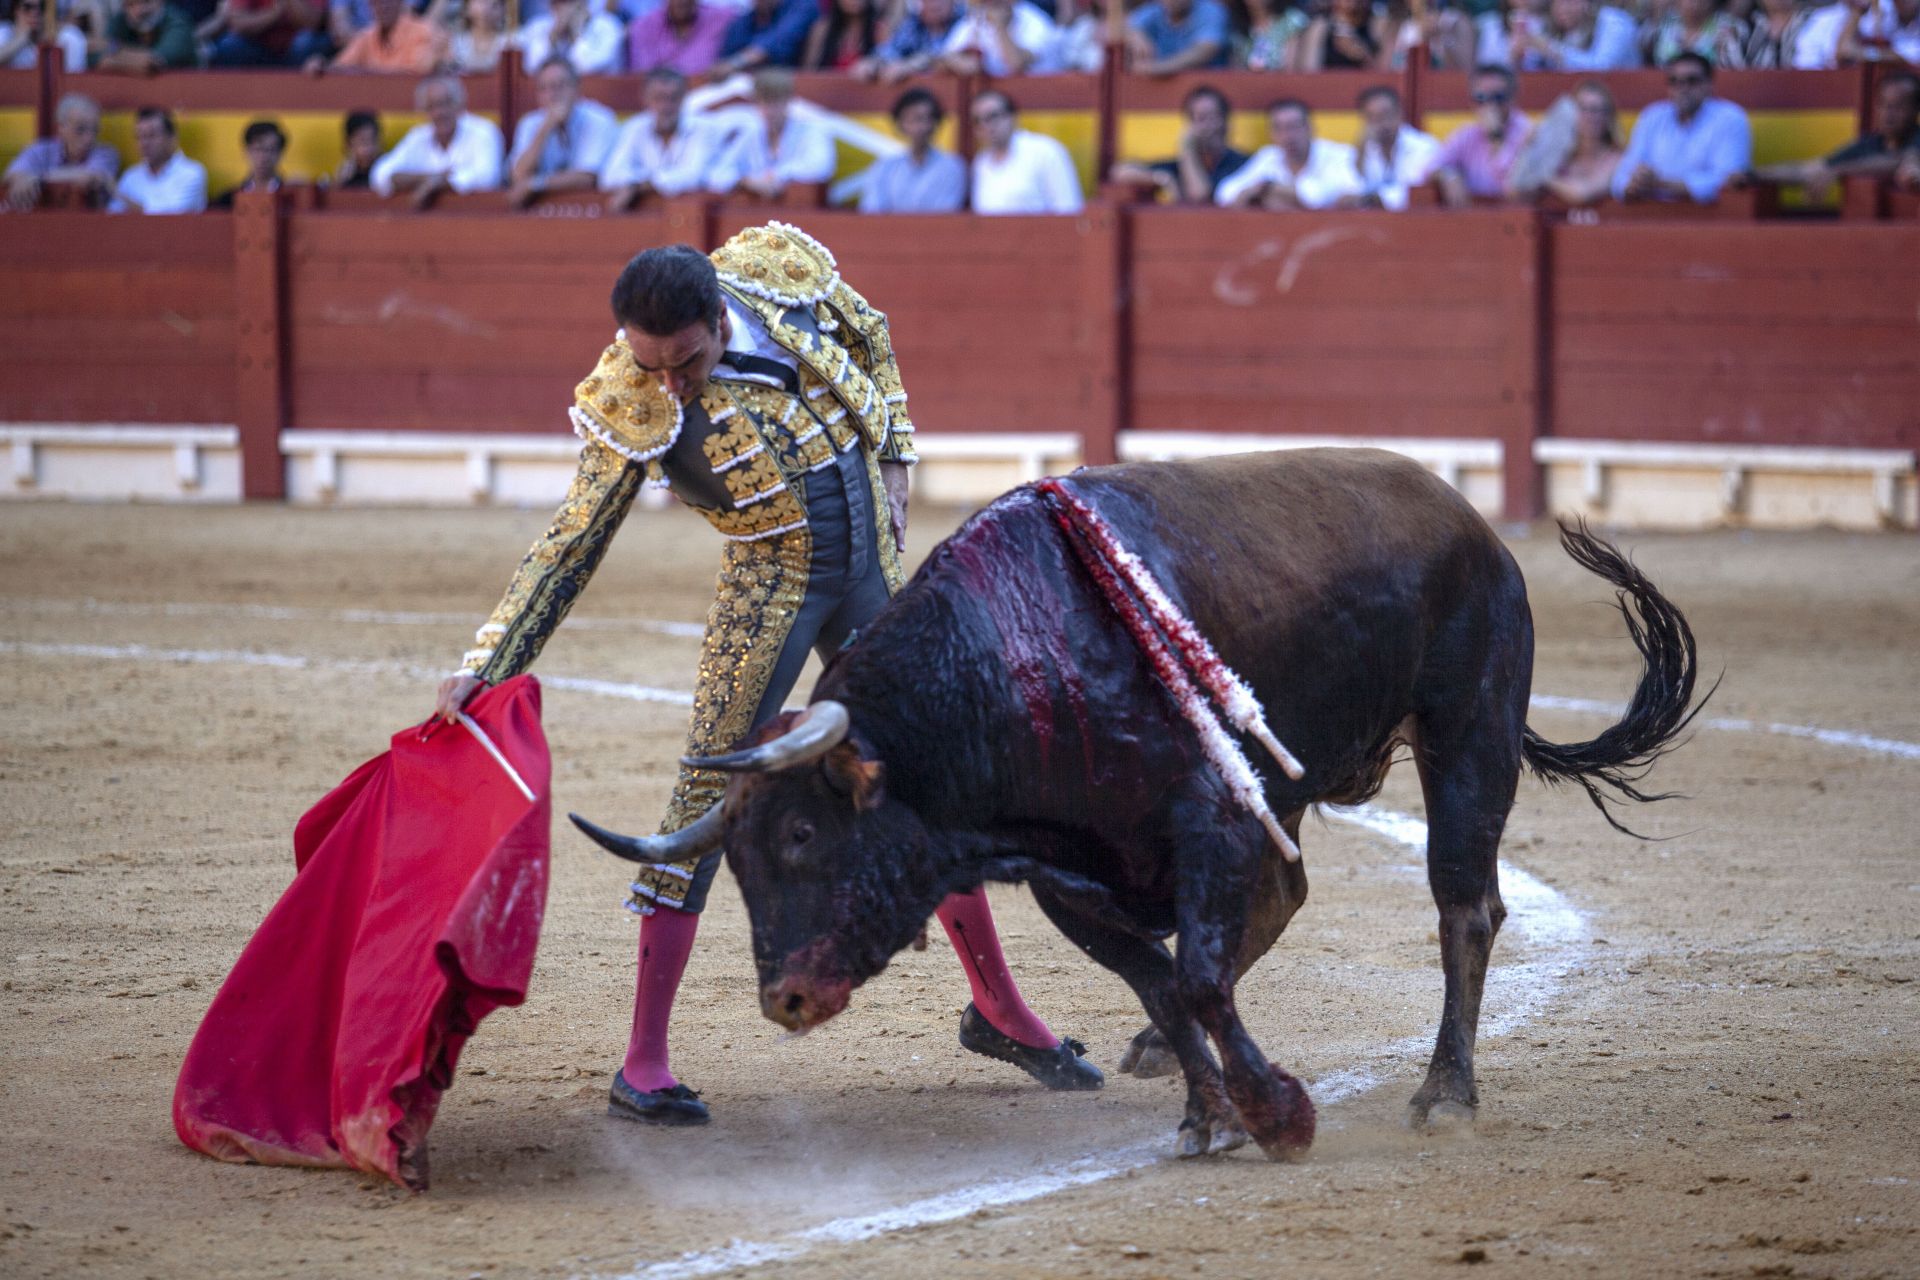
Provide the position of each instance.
(1469, 768)
(1280, 891)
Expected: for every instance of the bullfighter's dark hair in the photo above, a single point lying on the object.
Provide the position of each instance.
(1205, 91)
(662, 291)
(1687, 55)
(1289, 104)
(161, 114)
(915, 97)
(1373, 91)
(263, 129)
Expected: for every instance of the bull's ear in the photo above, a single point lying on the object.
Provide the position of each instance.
(853, 774)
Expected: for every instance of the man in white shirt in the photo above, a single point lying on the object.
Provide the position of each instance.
(454, 151)
(1853, 30)
(590, 40)
(1015, 171)
(1298, 171)
(164, 181)
(563, 145)
(1393, 155)
(1002, 38)
(774, 148)
(662, 151)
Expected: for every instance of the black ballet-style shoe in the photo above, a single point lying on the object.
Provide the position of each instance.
(678, 1105)
(1064, 1066)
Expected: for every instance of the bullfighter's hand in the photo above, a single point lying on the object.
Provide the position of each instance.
(454, 692)
(894, 476)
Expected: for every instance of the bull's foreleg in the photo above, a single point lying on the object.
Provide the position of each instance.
(1146, 967)
(1280, 890)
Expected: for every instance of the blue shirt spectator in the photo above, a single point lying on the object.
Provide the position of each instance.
(918, 37)
(772, 33)
(1179, 35)
(1688, 147)
(906, 183)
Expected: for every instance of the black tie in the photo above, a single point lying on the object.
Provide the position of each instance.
(761, 366)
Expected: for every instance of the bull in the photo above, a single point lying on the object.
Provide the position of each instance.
(998, 722)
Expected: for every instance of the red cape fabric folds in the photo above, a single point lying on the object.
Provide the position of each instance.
(414, 913)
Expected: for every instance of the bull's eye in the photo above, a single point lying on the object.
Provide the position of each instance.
(800, 834)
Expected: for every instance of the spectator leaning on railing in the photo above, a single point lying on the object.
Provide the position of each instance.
(1895, 136)
(774, 148)
(921, 179)
(1204, 160)
(1851, 31)
(681, 35)
(265, 144)
(1002, 38)
(662, 151)
(842, 36)
(1688, 147)
(1693, 26)
(1774, 33)
(914, 44)
(264, 33)
(165, 180)
(478, 39)
(23, 32)
(73, 155)
(1165, 37)
(454, 151)
(361, 133)
(396, 42)
(1015, 171)
(1394, 156)
(770, 33)
(149, 36)
(1578, 35)
(562, 146)
(1476, 158)
(1296, 171)
(589, 39)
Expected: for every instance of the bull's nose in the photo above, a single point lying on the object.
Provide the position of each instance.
(786, 1003)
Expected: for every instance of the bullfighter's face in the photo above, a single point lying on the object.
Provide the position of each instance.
(822, 856)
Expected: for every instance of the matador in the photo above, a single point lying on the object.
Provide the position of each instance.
(762, 390)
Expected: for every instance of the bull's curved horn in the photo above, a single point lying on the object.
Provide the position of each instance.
(820, 728)
(701, 837)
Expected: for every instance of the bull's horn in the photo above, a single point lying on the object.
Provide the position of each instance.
(701, 837)
(820, 728)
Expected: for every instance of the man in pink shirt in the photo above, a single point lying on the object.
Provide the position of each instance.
(1475, 160)
(681, 35)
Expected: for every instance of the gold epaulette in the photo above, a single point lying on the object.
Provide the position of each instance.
(626, 409)
(778, 262)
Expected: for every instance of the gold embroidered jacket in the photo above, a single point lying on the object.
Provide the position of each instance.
(738, 453)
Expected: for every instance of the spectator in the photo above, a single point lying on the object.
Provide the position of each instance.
(21, 37)
(914, 44)
(1693, 26)
(662, 151)
(1274, 31)
(1907, 176)
(841, 37)
(90, 18)
(681, 35)
(1297, 171)
(922, 179)
(1578, 35)
(1496, 29)
(588, 39)
(770, 32)
(1080, 43)
(1342, 39)
(362, 136)
(1879, 32)
(1204, 159)
(1895, 136)
(1002, 38)
(1689, 146)
(264, 33)
(1015, 171)
(397, 41)
(1773, 37)
(265, 144)
(1574, 151)
(149, 36)
(1476, 158)
(164, 181)
(1394, 156)
(74, 155)
(478, 39)
(454, 150)
(1165, 37)
(562, 146)
(774, 148)
(1444, 33)
(345, 20)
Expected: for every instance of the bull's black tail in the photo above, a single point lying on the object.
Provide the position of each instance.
(1610, 766)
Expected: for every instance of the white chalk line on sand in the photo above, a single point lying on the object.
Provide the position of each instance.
(1734, 724)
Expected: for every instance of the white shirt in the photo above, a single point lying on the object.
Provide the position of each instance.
(1413, 153)
(805, 153)
(595, 51)
(73, 48)
(179, 187)
(684, 162)
(748, 335)
(1032, 30)
(1819, 46)
(1328, 174)
(1037, 176)
(472, 163)
(589, 137)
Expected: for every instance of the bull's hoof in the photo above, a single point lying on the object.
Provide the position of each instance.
(1192, 1140)
(1445, 1113)
(1228, 1136)
(1294, 1120)
(1064, 1066)
(1149, 1056)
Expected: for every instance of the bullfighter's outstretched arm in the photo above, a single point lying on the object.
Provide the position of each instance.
(557, 567)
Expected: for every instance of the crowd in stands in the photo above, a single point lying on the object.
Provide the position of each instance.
(891, 39)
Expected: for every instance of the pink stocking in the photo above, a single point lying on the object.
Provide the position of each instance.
(666, 939)
(969, 925)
